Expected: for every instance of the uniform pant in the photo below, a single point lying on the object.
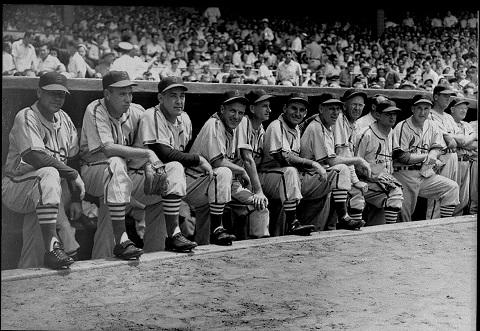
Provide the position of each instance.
(473, 187)
(434, 187)
(114, 183)
(22, 194)
(379, 199)
(463, 181)
(449, 171)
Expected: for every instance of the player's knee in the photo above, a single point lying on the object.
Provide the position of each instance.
(394, 204)
(175, 169)
(117, 163)
(49, 175)
(224, 175)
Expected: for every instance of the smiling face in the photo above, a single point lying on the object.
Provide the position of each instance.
(50, 102)
(232, 114)
(172, 103)
(420, 113)
(294, 112)
(459, 112)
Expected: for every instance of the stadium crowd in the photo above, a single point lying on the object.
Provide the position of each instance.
(201, 45)
(350, 164)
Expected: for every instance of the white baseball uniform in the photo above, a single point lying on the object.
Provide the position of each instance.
(473, 204)
(414, 140)
(376, 148)
(112, 179)
(446, 124)
(24, 187)
(465, 159)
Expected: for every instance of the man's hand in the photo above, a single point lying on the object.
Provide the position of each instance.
(206, 166)
(153, 158)
(78, 186)
(320, 171)
(361, 186)
(75, 211)
(260, 201)
(365, 168)
(385, 177)
(452, 146)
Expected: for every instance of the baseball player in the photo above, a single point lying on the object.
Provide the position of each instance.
(447, 126)
(166, 129)
(217, 142)
(42, 162)
(466, 140)
(344, 133)
(367, 119)
(415, 151)
(375, 145)
(109, 127)
(473, 204)
(317, 144)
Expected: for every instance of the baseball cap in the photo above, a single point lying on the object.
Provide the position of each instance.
(350, 93)
(106, 52)
(170, 82)
(457, 102)
(441, 89)
(419, 98)
(258, 95)
(377, 98)
(234, 95)
(298, 96)
(116, 79)
(385, 107)
(53, 81)
(407, 84)
(329, 98)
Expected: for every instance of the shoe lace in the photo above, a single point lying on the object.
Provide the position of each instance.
(59, 252)
(181, 238)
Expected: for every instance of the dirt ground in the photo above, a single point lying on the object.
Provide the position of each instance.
(419, 278)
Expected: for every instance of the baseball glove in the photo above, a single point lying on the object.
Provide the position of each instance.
(386, 184)
(155, 179)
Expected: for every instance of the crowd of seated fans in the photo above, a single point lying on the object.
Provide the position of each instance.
(205, 46)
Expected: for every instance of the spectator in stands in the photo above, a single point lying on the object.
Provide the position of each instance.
(233, 78)
(154, 45)
(191, 73)
(47, 37)
(132, 64)
(82, 50)
(213, 14)
(23, 52)
(267, 33)
(8, 65)
(392, 79)
(429, 73)
(47, 62)
(77, 67)
(289, 70)
(249, 76)
(472, 76)
(449, 20)
(105, 63)
(226, 71)
(346, 75)
(173, 70)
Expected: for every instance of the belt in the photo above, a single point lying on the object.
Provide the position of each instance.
(412, 167)
(464, 157)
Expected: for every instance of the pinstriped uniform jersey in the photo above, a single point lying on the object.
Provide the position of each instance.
(279, 137)
(317, 142)
(31, 131)
(445, 122)
(250, 139)
(415, 140)
(345, 135)
(466, 129)
(155, 129)
(100, 129)
(376, 148)
(214, 142)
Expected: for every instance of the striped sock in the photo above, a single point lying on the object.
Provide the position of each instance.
(340, 202)
(216, 213)
(171, 206)
(356, 214)
(290, 208)
(117, 215)
(390, 215)
(47, 218)
(446, 211)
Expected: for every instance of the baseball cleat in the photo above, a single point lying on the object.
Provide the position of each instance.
(221, 237)
(57, 258)
(300, 230)
(350, 224)
(179, 243)
(127, 250)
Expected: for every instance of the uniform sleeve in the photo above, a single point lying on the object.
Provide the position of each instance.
(27, 133)
(152, 130)
(402, 138)
(209, 143)
(275, 141)
(437, 140)
(74, 146)
(97, 128)
(340, 133)
(243, 135)
(314, 146)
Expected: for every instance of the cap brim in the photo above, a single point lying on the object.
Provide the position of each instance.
(423, 101)
(123, 83)
(446, 92)
(173, 86)
(461, 102)
(391, 109)
(242, 99)
(299, 99)
(332, 101)
(55, 87)
(354, 94)
(264, 97)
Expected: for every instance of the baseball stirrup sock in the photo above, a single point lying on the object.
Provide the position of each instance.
(171, 206)
(340, 202)
(355, 214)
(47, 218)
(117, 215)
(446, 211)
(216, 213)
(290, 208)
(390, 215)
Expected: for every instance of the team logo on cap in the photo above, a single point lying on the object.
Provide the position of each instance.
(236, 93)
(125, 75)
(58, 79)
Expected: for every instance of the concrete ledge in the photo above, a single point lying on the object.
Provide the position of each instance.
(18, 274)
